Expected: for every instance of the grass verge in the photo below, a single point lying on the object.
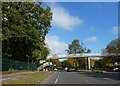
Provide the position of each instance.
(28, 80)
(98, 71)
(14, 71)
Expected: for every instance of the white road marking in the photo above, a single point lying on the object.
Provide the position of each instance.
(12, 78)
(56, 81)
(57, 78)
(5, 79)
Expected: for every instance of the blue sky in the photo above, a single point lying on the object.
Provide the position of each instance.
(94, 24)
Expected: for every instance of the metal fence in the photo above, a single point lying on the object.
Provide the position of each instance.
(17, 65)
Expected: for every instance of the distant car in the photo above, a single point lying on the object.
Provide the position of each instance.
(66, 68)
(55, 69)
(69, 69)
(116, 69)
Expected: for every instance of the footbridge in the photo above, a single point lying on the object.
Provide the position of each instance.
(66, 56)
(85, 55)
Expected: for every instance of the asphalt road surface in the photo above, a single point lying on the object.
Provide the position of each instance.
(82, 78)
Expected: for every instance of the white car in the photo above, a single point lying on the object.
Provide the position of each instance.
(66, 68)
(55, 69)
(115, 69)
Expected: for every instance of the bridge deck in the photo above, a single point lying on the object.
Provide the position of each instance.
(62, 56)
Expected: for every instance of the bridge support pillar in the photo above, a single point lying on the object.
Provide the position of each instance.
(89, 63)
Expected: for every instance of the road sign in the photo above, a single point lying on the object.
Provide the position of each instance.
(42, 61)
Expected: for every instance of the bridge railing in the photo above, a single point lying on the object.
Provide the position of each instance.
(59, 56)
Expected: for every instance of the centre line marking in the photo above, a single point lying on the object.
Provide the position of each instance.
(57, 78)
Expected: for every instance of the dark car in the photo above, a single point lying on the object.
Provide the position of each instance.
(70, 70)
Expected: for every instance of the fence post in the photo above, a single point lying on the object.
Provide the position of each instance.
(28, 62)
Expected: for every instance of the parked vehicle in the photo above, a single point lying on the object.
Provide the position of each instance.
(70, 69)
(55, 69)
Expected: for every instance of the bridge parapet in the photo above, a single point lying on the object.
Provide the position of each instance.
(111, 54)
(92, 54)
(74, 55)
(60, 56)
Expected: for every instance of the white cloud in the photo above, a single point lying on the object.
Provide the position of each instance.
(114, 30)
(92, 39)
(56, 46)
(63, 19)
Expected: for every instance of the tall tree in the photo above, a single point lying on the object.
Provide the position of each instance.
(74, 48)
(109, 62)
(66, 63)
(24, 27)
(113, 47)
(56, 62)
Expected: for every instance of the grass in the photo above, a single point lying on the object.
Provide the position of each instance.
(14, 71)
(99, 71)
(29, 80)
(84, 71)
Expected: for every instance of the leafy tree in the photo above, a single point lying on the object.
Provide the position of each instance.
(108, 62)
(24, 27)
(74, 48)
(56, 62)
(66, 63)
(88, 51)
(113, 47)
(82, 63)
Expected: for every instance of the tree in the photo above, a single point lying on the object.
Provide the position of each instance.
(88, 51)
(66, 63)
(108, 63)
(113, 47)
(56, 62)
(75, 48)
(24, 27)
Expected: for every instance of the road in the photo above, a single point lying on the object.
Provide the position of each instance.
(82, 78)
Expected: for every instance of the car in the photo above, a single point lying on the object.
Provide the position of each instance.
(116, 69)
(66, 69)
(69, 69)
(55, 69)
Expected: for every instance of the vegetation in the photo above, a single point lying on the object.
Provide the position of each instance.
(65, 63)
(98, 71)
(108, 63)
(14, 71)
(35, 79)
(74, 48)
(56, 62)
(24, 27)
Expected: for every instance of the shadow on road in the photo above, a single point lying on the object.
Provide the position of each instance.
(111, 75)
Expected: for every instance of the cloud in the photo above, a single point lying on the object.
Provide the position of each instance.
(114, 30)
(63, 19)
(55, 44)
(92, 39)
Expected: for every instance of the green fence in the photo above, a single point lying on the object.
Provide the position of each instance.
(17, 65)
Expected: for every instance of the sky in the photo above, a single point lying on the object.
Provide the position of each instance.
(94, 24)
